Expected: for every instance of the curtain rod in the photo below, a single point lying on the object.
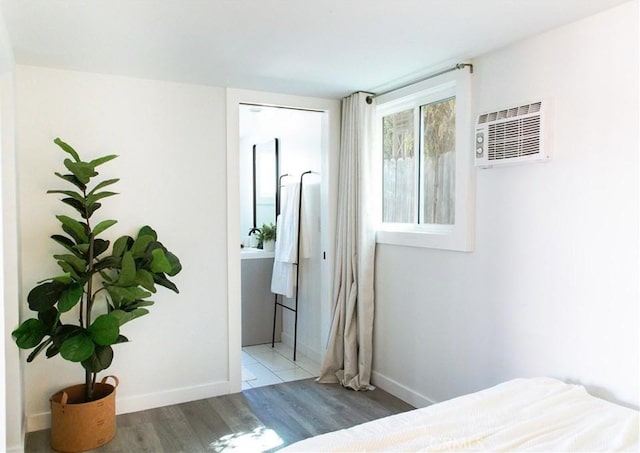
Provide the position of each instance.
(453, 68)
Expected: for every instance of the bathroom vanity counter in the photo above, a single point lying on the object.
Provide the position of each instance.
(257, 298)
(250, 253)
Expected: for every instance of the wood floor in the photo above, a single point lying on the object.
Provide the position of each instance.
(260, 419)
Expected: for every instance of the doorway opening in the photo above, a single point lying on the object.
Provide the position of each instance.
(276, 146)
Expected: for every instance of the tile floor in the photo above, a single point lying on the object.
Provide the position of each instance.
(263, 365)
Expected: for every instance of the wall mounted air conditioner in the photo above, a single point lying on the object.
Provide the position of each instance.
(514, 135)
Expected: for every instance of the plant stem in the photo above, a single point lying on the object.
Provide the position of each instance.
(89, 380)
(81, 318)
(88, 389)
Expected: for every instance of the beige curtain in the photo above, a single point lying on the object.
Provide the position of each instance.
(349, 351)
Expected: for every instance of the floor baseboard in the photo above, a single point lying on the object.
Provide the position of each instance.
(400, 391)
(137, 403)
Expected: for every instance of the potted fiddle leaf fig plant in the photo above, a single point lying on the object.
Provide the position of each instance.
(79, 313)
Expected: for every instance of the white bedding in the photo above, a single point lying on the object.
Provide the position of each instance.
(541, 414)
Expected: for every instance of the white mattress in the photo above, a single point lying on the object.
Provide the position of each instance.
(541, 414)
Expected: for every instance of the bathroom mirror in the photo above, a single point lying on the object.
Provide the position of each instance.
(265, 182)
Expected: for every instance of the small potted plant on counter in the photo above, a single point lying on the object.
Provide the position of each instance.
(267, 237)
(80, 312)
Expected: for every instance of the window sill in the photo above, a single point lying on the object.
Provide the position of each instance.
(445, 237)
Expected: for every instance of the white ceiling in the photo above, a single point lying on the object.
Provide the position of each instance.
(326, 48)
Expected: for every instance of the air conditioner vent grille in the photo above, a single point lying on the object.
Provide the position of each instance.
(516, 138)
(510, 113)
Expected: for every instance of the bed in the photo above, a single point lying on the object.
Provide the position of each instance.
(540, 414)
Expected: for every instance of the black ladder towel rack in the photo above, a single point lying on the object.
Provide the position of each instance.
(297, 264)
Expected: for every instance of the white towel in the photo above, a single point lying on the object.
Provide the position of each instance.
(283, 279)
(284, 272)
(283, 276)
(287, 229)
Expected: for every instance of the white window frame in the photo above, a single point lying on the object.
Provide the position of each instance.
(460, 235)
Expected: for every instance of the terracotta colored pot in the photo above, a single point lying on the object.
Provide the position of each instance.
(79, 426)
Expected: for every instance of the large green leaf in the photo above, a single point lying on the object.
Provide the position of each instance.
(107, 278)
(176, 266)
(85, 211)
(122, 243)
(144, 278)
(100, 359)
(84, 171)
(39, 349)
(78, 264)
(101, 160)
(148, 231)
(78, 347)
(91, 208)
(63, 332)
(67, 244)
(70, 193)
(105, 183)
(140, 245)
(49, 318)
(68, 268)
(53, 350)
(79, 229)
(160, 263)
(104, 330)
(77, 205)
(126, 316)
(65, 279)
(73, 235)
(99, 246)
(72, 179)
(106, 263)
(82, 248)
(127, 271)
(162, 280)
(70, 297)
(121, 294)
(98, 196)
(30, 333)
(45, 296)
(137, 304)
(67, 148)
(99, 228)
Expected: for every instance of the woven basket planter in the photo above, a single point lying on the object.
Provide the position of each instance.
(79, 426)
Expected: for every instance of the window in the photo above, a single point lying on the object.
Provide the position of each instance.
(437, 162)
(426, 164)
(398, 165)
(430, 197)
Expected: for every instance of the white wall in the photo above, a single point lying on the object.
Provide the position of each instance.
(552, 287)
(171, 141)
(10, 379)
(9, 315)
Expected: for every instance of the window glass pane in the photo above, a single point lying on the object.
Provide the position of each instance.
(437, 201)
(399, 182)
